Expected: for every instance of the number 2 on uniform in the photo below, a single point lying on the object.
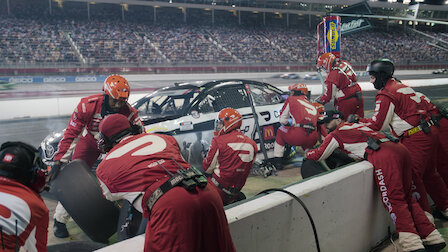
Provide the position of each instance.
(153, 144)
(245, 157)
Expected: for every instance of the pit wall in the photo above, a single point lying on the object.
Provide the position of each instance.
(344, 204)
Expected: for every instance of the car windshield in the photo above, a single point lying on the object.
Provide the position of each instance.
(166, 102)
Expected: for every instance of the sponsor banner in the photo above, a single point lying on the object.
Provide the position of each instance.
(53, 79)
(333, 35)
(355, 24)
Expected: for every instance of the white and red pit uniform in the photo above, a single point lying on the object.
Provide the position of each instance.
(341, 85)
(391, 173)
(229, 160)
(80, 136)
(180, 220)
(442, 151)
(302, 112)
(398, 106)
(20, 203)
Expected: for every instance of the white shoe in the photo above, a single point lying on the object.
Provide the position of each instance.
(434, 241)
(430, 217)
(410, 242)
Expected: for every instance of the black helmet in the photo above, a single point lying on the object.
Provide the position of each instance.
(382, 70)
(22, 162)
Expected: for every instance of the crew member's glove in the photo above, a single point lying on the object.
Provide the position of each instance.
(55, 169)
(353, 118)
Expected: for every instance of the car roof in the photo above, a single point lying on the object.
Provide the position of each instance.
(208, 84)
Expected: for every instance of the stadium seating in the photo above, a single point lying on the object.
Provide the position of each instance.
(68, 36)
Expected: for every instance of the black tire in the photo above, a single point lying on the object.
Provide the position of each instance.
(80, 194)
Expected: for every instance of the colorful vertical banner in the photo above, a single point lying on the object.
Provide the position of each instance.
(333, 35)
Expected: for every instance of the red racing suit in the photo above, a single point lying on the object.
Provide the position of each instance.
(303, 131)
(398, 106)
(229, 159)
(24, 209)
(342, 86)
(80, 136)
(442, 151)
(391, 173)
(180, 220)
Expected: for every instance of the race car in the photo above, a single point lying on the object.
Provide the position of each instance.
(188, 111)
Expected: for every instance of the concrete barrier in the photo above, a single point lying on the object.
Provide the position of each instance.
(344, 204)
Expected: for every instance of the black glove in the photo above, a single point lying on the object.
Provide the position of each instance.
(353, 118)
(55, 169)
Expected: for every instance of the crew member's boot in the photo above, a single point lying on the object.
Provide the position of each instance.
(60, 229)
(410, 242)
(434, 241)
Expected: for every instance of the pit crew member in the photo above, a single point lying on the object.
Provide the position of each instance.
(23, 213)
(398, 106)
(298, 117)
(81, 134)
(390, 160)
(340, 85)
(184, 212)
(230, 156)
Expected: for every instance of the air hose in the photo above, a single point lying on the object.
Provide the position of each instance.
(304, 207)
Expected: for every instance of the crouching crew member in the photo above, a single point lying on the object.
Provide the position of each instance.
(184, 212)
(298, 117)
(23, 214)
(230, 156)
(391, 162)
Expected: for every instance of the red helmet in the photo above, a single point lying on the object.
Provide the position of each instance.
(300, 87)
(326, 61)
(228, 119)
(117, 87)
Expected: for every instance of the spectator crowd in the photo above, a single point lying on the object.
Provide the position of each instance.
(106, 36)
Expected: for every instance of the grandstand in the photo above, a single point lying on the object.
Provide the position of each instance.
(59, 36)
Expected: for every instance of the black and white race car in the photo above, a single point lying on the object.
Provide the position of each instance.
(188, 111)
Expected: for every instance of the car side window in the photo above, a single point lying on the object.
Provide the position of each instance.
(223, 97)
(262, 95)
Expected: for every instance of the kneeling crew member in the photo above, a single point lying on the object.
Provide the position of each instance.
(184, 213)
(391, 162)
(299, 119)
(230, 156)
